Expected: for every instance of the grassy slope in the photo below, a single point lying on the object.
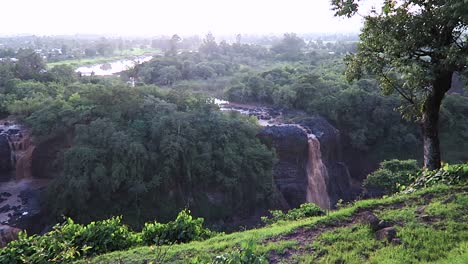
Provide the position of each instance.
(96, 60)
(439, 235)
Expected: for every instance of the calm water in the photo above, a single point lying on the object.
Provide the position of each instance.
(112, 67)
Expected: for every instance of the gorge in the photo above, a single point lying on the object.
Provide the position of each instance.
(19, 191)
(309, 167)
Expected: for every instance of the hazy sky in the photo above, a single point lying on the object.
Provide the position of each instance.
(154, 17)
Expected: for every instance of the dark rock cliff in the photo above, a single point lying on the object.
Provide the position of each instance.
(290, 144)
(290, 172)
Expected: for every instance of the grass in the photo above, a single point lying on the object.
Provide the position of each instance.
(341, 241)
(98, 60)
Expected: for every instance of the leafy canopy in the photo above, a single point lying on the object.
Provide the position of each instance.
(408, 44)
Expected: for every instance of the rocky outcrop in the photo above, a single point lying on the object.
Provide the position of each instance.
(20, 192)
(298, 163)
(46, 152)
(7, 234)
(291, 147)
(5, 153)
(339, 182)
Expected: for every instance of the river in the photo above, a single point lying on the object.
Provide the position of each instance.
(110, 68)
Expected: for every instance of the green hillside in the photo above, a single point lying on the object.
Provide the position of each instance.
(431, 226)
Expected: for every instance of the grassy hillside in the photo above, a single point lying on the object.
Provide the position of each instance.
(431, 226)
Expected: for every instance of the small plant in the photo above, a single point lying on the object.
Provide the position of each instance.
(304, 210)
(184, 229)
(247, 254)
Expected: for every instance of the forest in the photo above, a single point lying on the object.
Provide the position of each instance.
(146, 160)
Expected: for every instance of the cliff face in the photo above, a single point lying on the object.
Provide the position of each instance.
(20, 191)
(43, 165)
(5, 153)
(340, 184)
(309, 167)
(291, 146)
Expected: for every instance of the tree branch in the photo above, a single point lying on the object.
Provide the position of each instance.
(400, 91)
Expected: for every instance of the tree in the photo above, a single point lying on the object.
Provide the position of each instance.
(290, 47)
(209, 45)
(173, 42)
(29, 65)
(413, 48)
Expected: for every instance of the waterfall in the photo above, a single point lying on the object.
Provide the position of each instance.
(17, 144)
(316, 171)
(317, 175)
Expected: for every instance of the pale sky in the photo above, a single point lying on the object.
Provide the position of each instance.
(155, 17)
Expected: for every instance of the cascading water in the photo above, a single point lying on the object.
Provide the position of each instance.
(316, 171)
(317, 175)
(19, 191)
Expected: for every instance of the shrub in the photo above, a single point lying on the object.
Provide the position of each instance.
(184, 229)
(448, 174)
(304, 210)
(391, 176)
(70, 241)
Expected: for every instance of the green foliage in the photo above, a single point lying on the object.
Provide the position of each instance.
(304, 210)
(402, 49)
(187, 66)
(70, 241)
(364, 117)
(122, 150)
(245, 255)
(181, 230)
(392, 175)
(448, 174)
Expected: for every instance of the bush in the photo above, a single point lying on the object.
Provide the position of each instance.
(184, 229)
(448, 174)
(304, 210)
(70, 241)
(391, 176)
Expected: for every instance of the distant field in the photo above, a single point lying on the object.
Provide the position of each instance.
(117, 56)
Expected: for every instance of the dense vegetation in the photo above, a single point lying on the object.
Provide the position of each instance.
(70, 241)
(418, 235)
(147, 152)
(430, 226)
(138, 148)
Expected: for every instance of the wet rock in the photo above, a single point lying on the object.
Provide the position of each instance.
(339, 183)
(5, 154)
(386, 234)
(291, 146)
(450, 199)
(7, 234)
(13, 131)
(367, 217)
(5, 208)
(30, 216)
(383, 224)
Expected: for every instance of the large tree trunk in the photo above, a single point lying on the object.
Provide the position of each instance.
(430, 121)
